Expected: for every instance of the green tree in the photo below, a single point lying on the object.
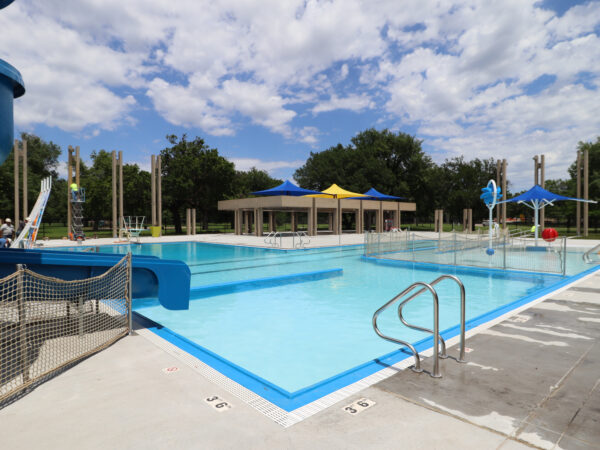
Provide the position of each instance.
(97, 182)
(393, 163)
(246, 182)
(195, 176)
(461, 181)
(42, 162)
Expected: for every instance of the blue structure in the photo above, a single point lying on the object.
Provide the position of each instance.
(490, 196)
(537, 198)
(374, 194)
(11, 87)
(287, 188)
(169, 280)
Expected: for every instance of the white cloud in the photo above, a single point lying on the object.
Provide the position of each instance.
(269, 166)
(459, 71)
(351, 103)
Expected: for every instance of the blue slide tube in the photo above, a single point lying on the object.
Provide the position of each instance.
(169, 280)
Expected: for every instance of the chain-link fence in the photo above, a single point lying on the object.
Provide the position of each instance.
(47, 323)
(509, 252)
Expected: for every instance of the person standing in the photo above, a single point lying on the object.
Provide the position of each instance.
(6, 231)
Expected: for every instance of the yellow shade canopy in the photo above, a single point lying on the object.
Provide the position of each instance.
(334, 191)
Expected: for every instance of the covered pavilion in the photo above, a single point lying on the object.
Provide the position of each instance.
(250, 214)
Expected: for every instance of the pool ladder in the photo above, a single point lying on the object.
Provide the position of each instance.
(436, 322)
(587, 256)
(271, 239)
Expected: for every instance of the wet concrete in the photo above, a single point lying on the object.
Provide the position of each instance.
(534, 377)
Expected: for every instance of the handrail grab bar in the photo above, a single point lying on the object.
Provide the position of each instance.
(586, 255)
(417, 366)
(461, 358)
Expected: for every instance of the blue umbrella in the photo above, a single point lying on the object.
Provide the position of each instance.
(374, 194)
(286, 188)
(537, 198)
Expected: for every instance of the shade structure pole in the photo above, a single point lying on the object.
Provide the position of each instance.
(536, 208)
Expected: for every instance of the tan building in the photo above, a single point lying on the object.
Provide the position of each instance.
(250, 213)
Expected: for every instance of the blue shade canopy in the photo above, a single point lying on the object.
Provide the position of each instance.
(538, 194)
(374, 194)
(286, 188)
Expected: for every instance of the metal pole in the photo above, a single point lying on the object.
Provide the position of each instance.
(25, 190)
(578, 217)
(69, 182)
(159, 191)
(535, 220)
(22, 324)
(564, 256)
(129, 294)
(153, 188)
(586, 206)
(121, 212)
(436, 336)
(16, 175)
(504, 254)
(114, 193)
(504, 192)
(499, 184)
(543, 184)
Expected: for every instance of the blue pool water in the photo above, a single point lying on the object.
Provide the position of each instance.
(292, 337)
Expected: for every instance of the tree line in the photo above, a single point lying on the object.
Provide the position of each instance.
(197, 176)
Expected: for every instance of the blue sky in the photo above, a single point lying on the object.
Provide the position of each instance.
(267, 82)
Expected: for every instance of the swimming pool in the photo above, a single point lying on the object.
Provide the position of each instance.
(296, 325)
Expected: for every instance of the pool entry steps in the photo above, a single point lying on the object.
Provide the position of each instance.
(436, 322)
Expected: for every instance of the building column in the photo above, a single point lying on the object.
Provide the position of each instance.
(258, 221)
(236, 221)
(270, 219)
(339, 217)
(379, 219)
(360, 218)
(330, 221)
(293, 221)
(312, 219)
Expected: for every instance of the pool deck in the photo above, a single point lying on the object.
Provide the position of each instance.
(531, 380)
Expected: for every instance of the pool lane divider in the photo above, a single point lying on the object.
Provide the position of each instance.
(212, 290)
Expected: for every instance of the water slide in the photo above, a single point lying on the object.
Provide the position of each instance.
(168, 280)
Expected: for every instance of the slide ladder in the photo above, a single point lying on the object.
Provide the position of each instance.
(29, 234)
(436, 322)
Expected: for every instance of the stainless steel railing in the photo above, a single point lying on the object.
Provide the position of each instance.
(587, 255)
(435, 331)
(271, 239)
(302, 237)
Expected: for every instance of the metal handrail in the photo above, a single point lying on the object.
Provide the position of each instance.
(300, 235)
(586, 255)
(417, 366)
(461, 358)
(435, 331)
(271, 239)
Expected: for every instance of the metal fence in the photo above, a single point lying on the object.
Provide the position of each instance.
(47, 324)
(510, 252)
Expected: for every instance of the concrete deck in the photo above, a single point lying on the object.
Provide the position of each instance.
(530, 381)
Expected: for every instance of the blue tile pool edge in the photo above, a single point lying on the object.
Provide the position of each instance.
(291, 401)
